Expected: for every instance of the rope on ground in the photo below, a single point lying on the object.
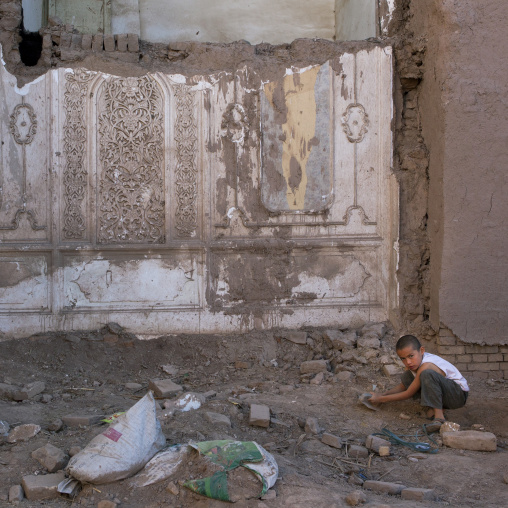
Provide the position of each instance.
(417, 446)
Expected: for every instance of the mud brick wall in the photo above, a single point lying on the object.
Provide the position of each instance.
(473, 360)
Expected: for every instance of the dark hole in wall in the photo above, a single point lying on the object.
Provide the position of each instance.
(30, 47)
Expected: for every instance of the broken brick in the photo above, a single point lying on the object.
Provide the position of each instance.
(259, 415)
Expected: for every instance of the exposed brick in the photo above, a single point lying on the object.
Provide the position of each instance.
(503, 349)
(505, 374)
(503, 365)
(65, 40)
(47, 43)
(483, 367)
(470, 440)
(505, 357)
(495, 374)
(482, 349)
(164, 387)
(331, 440)
(259, 415)
(86, 42)
(451, 350)
(496, 357)
(446, 341)
(97, 42)
(133, 43)
(449, 358)
(480, 358)
(479, 375)
(109, 42)
(461, 366)
(464, 358)
(38, 487)
(76, 41)
(445, 332)
(121, 42)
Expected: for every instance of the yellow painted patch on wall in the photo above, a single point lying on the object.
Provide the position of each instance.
(298, 130)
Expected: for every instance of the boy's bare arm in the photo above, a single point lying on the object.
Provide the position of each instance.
(396, 389)
(399, 392)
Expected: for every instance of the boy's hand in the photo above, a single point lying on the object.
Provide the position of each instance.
(375, 398)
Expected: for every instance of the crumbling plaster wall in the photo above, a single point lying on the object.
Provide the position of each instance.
(464, 118)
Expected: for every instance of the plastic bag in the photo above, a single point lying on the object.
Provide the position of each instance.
(123, 449)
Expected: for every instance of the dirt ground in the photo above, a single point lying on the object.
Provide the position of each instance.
(86, 375)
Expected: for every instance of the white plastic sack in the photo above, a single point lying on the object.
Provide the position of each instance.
(123, 449)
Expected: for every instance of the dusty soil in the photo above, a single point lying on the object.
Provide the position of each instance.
(86, 375)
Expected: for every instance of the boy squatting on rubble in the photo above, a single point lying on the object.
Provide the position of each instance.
(441, 384)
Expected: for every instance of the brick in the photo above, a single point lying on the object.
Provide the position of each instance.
(414, 494)
(296, 337)
(505, 374)
(470, 440)
(482, 349)
(483, 367)
(480, 357)
(42, 486)
(217, 419)
(384, 487)
(81, 420)
(164, 387)
(503, 349)
(109, 42)
(318, 378)
(331, 440)
(464, 358)
(259, 415)
(339, 340)
(51, 457)
(30, 390)
(97, 43)
(65, 40)
(133, 43)
(23, 433)
(121, 42)
(16, 493)
(449, 358)
(357, 452)
(76, 41)
(479, 375)
(313, 367)
(451, 350)
(378, 444)
(445, 332)
(505, 357)
(47, 43)
(462, 367)
(446, 341)
(86, 42)
(495, 357)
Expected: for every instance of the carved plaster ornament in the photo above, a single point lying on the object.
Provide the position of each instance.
(355, 122)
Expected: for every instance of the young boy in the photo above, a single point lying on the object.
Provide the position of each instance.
(441, 385)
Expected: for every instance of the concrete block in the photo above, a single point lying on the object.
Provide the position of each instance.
(30, 390)
(391, 370)
(51, 457)
(259, 415)
(81, 420)
(384, 487)
(470, 440)
(109, 42)
(121, 42)
(133, 43)
(23, 433)
(296, 337)
(357, 452)
(414, 494)
(331, 440)
(164, 387)
(378, 444)
(16, 493)
(313, 367)
(312, 425)
(38, 487)
(97, 43)
(218, 419)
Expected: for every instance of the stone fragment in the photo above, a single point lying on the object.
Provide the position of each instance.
(355, 498)
(331, 440)
(23, 433)
(312, 426)
(74, 450)
(46, 398)
(449, 427)
(109, 42)
(133, 43)
(505, 478)
(342, 340)
(313, 366)
(65, 40)
(414, 494)
(55, 425)
(344, 376)
(218, 419)
(318, 379)
(121, 42)
(470, 440)
(378, 328)
(97, 43)
(314, 447)
(331, 336)
(38, 487)
(391, 370)
(210, 394)
(81, 420)
(172, 488)
(54, 21)
(404, 416)
(242, 365)
(378, 444)
(30, 390)
(384, 487)
(358, 452)
(106, 503)
(16, 493)
(133, 387)
(369, 342)
(259, 415)
(50, 457)
(170, 370)
(76, 44)
(7, 391)
(296, 337)
(164, 387)
(47, 43)
(86, 42)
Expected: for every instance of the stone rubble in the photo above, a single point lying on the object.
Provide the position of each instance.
(51, 457)
(164, 387)
(16, 494)
(40, 487)
(356, 498)
(23, 433)
(384, 487)
(415, 494)
(470, 440)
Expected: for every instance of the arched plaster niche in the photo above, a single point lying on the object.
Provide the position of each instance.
(221, 21)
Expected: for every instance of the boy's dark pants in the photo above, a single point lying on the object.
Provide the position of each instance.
(436, 391)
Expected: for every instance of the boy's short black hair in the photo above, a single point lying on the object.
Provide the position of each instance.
(408, 340)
